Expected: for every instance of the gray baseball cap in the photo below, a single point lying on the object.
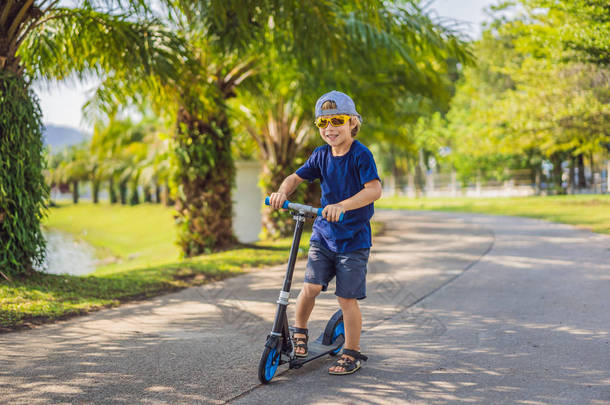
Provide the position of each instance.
(345, 105)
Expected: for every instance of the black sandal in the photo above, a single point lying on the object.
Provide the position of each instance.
(300, 342)
(350, 366)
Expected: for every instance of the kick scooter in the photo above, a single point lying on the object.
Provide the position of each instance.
(279, 348)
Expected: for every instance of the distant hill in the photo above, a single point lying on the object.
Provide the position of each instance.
(58, 137)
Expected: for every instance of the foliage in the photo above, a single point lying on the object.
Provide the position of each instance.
(580, 27)
(23, 192)
(107, 44)
(121, 150)
(529, 99)
(586, 211)
(42, 40)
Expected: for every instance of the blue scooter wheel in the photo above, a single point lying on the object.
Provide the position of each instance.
(338, 331)
(267, 367)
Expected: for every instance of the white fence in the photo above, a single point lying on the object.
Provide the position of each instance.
(520, 184)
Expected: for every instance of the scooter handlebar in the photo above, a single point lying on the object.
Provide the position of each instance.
(302, 208)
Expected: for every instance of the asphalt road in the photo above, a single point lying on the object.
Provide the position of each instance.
(460, 309)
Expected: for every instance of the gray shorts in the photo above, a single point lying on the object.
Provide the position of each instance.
(349, 267)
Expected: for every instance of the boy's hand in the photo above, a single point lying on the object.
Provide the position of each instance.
(276, 200)
(332, 212)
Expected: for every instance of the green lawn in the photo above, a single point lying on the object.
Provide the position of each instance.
(125, 237)
(138, 243)
(587, 211)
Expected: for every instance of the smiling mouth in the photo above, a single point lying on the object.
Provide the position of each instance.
(332, 136)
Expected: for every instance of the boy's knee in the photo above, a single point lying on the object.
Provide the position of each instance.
(346, 302)
(311, 290)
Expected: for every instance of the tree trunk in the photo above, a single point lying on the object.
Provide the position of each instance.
(95, 189)
(571, 175)
(147, 194)
(134, 197)
(411, 183)
(157, 193)
(165, 196)
(123, 191)
(556, 160)
(111, 191)
(582, 180)
(75, 191)
(275, 223)
(420, 171)
(206, 172)
(592, 165)
(312, 191)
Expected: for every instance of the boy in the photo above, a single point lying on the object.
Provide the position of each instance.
(350, 184)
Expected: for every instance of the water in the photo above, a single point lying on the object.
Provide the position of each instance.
(66, 255)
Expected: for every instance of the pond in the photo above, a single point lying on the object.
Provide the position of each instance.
(66, 255)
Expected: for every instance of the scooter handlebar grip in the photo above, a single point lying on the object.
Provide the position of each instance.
(284, 206)
(287, 203)
(320, 214)
(322, 209)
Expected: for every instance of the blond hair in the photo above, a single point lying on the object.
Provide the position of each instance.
(331, 105)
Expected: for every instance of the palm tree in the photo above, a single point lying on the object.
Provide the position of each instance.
(123, 149)
(54, 171)
(156, 168)
(38, 42)
(77, 168)
(68, 167)
(228, 40)
(271, 113)
(380, 73)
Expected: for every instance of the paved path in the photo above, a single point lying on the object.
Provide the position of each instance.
(526, 323)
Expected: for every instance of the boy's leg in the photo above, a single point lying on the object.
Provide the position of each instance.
(351, 286)
(305, 303)
(320, 270)
(352, 319)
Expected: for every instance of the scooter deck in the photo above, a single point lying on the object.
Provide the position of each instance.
(315, 350)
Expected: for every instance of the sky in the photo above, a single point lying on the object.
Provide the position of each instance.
(61, 103)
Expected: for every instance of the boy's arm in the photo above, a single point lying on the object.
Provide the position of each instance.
(371, 192)
(290, 183)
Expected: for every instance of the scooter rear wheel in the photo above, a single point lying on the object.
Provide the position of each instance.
(267, 367)
(334, 329)
(337, 331)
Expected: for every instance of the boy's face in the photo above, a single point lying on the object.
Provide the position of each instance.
(337, 136)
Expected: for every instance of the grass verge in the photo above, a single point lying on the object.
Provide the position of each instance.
(587, 211)
(138, 244)
(45, 297)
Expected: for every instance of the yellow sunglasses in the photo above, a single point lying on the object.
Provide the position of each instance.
(335, 121)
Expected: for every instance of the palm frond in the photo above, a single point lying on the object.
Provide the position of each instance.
(84, 42)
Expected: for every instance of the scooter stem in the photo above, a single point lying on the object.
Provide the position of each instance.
(280, 315)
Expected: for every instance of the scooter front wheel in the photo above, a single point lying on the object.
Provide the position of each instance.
(267, 367)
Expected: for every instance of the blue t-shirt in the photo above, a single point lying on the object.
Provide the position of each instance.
(342, 177)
